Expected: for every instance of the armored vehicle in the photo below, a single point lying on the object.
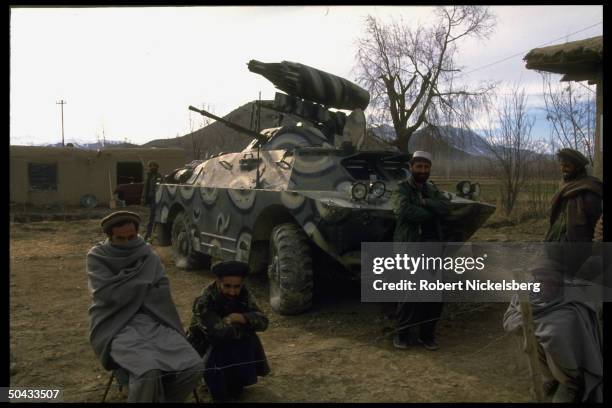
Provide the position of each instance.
(299, 194)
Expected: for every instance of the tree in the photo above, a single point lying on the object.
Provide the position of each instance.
(507, 131)
(570, 110)
(411, 73)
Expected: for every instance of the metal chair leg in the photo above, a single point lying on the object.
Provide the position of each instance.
(110, 382)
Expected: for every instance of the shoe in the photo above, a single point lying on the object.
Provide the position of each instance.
(550, 387)
(399, 342)
(429, 344)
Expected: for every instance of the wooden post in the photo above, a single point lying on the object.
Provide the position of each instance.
(531, 348)
(598, 156)
(112, 203)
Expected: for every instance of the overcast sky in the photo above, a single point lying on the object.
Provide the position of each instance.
(133, 72)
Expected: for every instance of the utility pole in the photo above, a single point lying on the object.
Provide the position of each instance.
(62, 103)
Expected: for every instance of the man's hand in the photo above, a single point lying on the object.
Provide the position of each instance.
(235, 318)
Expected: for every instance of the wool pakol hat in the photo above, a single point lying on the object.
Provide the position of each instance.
(230, 268)
(118, 217)
(573, 156)
(420, 154)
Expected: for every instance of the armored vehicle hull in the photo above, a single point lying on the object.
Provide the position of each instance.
(303, 200)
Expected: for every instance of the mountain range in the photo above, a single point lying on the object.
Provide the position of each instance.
(444, 142)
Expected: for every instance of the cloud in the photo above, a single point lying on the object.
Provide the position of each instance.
(139, 68)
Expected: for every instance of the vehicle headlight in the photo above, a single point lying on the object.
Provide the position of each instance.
(464, 188)
(359, 191)
(378, 188)
(475, 191)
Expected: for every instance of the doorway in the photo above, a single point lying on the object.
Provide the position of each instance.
(129, 172)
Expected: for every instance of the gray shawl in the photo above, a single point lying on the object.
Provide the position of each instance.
(124, 281)
(567, 328)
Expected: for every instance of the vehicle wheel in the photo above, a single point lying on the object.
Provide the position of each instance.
(185, 257)
(290, 270)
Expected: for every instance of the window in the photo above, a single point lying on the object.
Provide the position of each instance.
(42, 176)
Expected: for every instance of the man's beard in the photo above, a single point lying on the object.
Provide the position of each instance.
(420, 177)
(571, 176)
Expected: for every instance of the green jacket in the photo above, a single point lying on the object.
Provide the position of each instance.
(148, 192)
(417, 220)
(207, 327)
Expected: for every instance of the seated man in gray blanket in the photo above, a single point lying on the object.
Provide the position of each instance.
(134, 322)
(567, 330)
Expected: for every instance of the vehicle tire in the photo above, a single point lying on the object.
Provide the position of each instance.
(185, 257)
(290, 270)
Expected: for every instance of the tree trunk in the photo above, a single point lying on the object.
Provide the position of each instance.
(403, 137)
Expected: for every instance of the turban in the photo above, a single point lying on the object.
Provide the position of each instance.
(230, 268)
(573, 156)
(422, 155)
(118, 217)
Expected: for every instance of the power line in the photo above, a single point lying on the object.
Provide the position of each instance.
(523, 52)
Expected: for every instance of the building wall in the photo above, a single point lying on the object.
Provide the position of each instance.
(80, 172)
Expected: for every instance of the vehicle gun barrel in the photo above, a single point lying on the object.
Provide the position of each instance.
(261, 138)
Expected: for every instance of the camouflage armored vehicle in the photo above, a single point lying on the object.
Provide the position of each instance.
(297, 194)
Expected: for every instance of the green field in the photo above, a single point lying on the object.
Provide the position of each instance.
(533, 201)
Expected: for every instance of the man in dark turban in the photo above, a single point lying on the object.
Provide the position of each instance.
(225, 319)
(576, 206)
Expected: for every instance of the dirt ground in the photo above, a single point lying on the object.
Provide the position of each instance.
(340, 351)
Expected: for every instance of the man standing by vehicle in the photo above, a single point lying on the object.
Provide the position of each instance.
(576, 206)
(148, 195)
(418, 206)
(135, 326)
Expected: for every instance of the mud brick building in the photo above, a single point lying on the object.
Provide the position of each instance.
(63, 175)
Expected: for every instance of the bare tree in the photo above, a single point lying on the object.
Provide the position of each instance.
(570, 110)
(411, 73)
(507, 131)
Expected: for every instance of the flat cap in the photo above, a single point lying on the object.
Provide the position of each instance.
(420, 154)
(573, 156)
(230, 268)
(118, 217)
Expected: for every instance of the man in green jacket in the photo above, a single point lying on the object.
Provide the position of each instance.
(418, 207)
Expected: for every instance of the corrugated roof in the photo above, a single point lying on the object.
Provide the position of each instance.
(578, 60)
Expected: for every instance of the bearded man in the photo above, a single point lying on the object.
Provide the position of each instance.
(418, 206)
(223, 329)
(577, 205)
(135, 326)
